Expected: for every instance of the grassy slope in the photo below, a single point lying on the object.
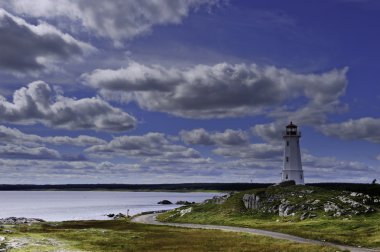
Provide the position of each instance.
(121, 235)
(358, 230)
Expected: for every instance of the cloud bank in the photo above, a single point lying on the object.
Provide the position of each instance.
(25, 47)
(151, 145)
(223, 90)
(366, 128)
(117, 19)
(36, 103)
(13, 135)
(202, 137)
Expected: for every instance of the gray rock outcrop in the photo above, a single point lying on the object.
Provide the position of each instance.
(217, 199)
(309, 202)
(285, 209)
(19, 220)
(251, 201)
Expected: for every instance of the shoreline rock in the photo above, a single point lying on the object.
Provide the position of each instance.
(165, 202)
(19, 220)
(186, 203)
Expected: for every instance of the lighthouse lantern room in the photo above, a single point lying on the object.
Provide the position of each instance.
(292, 156)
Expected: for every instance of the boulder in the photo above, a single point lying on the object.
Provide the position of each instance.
(165, 202)
(304, 216)
(185, 211)
(217, 199)
(251, 201)
(330, 207)
(119, 216)
(307, 215)
(285, 209)
(181, 202)
(116, 216)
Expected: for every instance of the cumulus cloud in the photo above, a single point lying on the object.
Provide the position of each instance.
(270, 132)
(117, 19)
(333, 164)
(333, 169)
(136, 77)
(36, 103)
(39, 171)
(366, 128)
(23, 152)
(252, 151)
(25, 47)
(13, 135)
(223, 90)
(150, 146)
(202, 137)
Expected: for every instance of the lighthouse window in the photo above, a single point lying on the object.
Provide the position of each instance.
(301, 176)
(287, 143)
(286, 176)
(287, 159)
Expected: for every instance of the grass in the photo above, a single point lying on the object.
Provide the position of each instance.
(361, 230)
(122, 235)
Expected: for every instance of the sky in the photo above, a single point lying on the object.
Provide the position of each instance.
(163, 91)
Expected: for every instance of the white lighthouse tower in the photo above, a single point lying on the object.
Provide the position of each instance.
(292, 156)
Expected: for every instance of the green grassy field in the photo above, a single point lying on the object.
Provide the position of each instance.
(361, 230)
(122, 235)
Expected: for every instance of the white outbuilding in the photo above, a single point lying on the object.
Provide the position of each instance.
(292, 155)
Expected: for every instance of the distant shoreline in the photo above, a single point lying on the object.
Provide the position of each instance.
(181, 187)
(184, 187)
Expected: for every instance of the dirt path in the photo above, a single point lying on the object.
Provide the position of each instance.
(151, 219)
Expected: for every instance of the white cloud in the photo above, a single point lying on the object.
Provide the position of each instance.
(202, 137)
(116, 19)
(332, 169)
(136, 77)
(25, 47)
(13, 135)
(366, 128)
(151, 146)
(258, 151)
(271, 132)
(223, 90)
(37, 104)
(23, 152)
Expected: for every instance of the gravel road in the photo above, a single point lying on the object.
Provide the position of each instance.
(151, 219)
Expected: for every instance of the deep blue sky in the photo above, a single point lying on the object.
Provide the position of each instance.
(188, 90)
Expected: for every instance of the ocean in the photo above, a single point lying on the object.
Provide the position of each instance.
(87, 205)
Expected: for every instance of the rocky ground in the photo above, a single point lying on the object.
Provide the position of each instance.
(23, 242)
(19, 220)
(309, 202)
(8, 243)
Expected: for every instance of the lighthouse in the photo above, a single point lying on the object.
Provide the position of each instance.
(292, 155)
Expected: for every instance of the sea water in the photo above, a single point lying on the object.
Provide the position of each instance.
(88, 205)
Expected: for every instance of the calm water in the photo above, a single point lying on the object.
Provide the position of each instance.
(85, 205)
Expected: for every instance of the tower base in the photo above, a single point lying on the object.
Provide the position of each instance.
(296, 175)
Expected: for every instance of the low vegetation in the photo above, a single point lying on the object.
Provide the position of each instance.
(122, 235)
(356, 226)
